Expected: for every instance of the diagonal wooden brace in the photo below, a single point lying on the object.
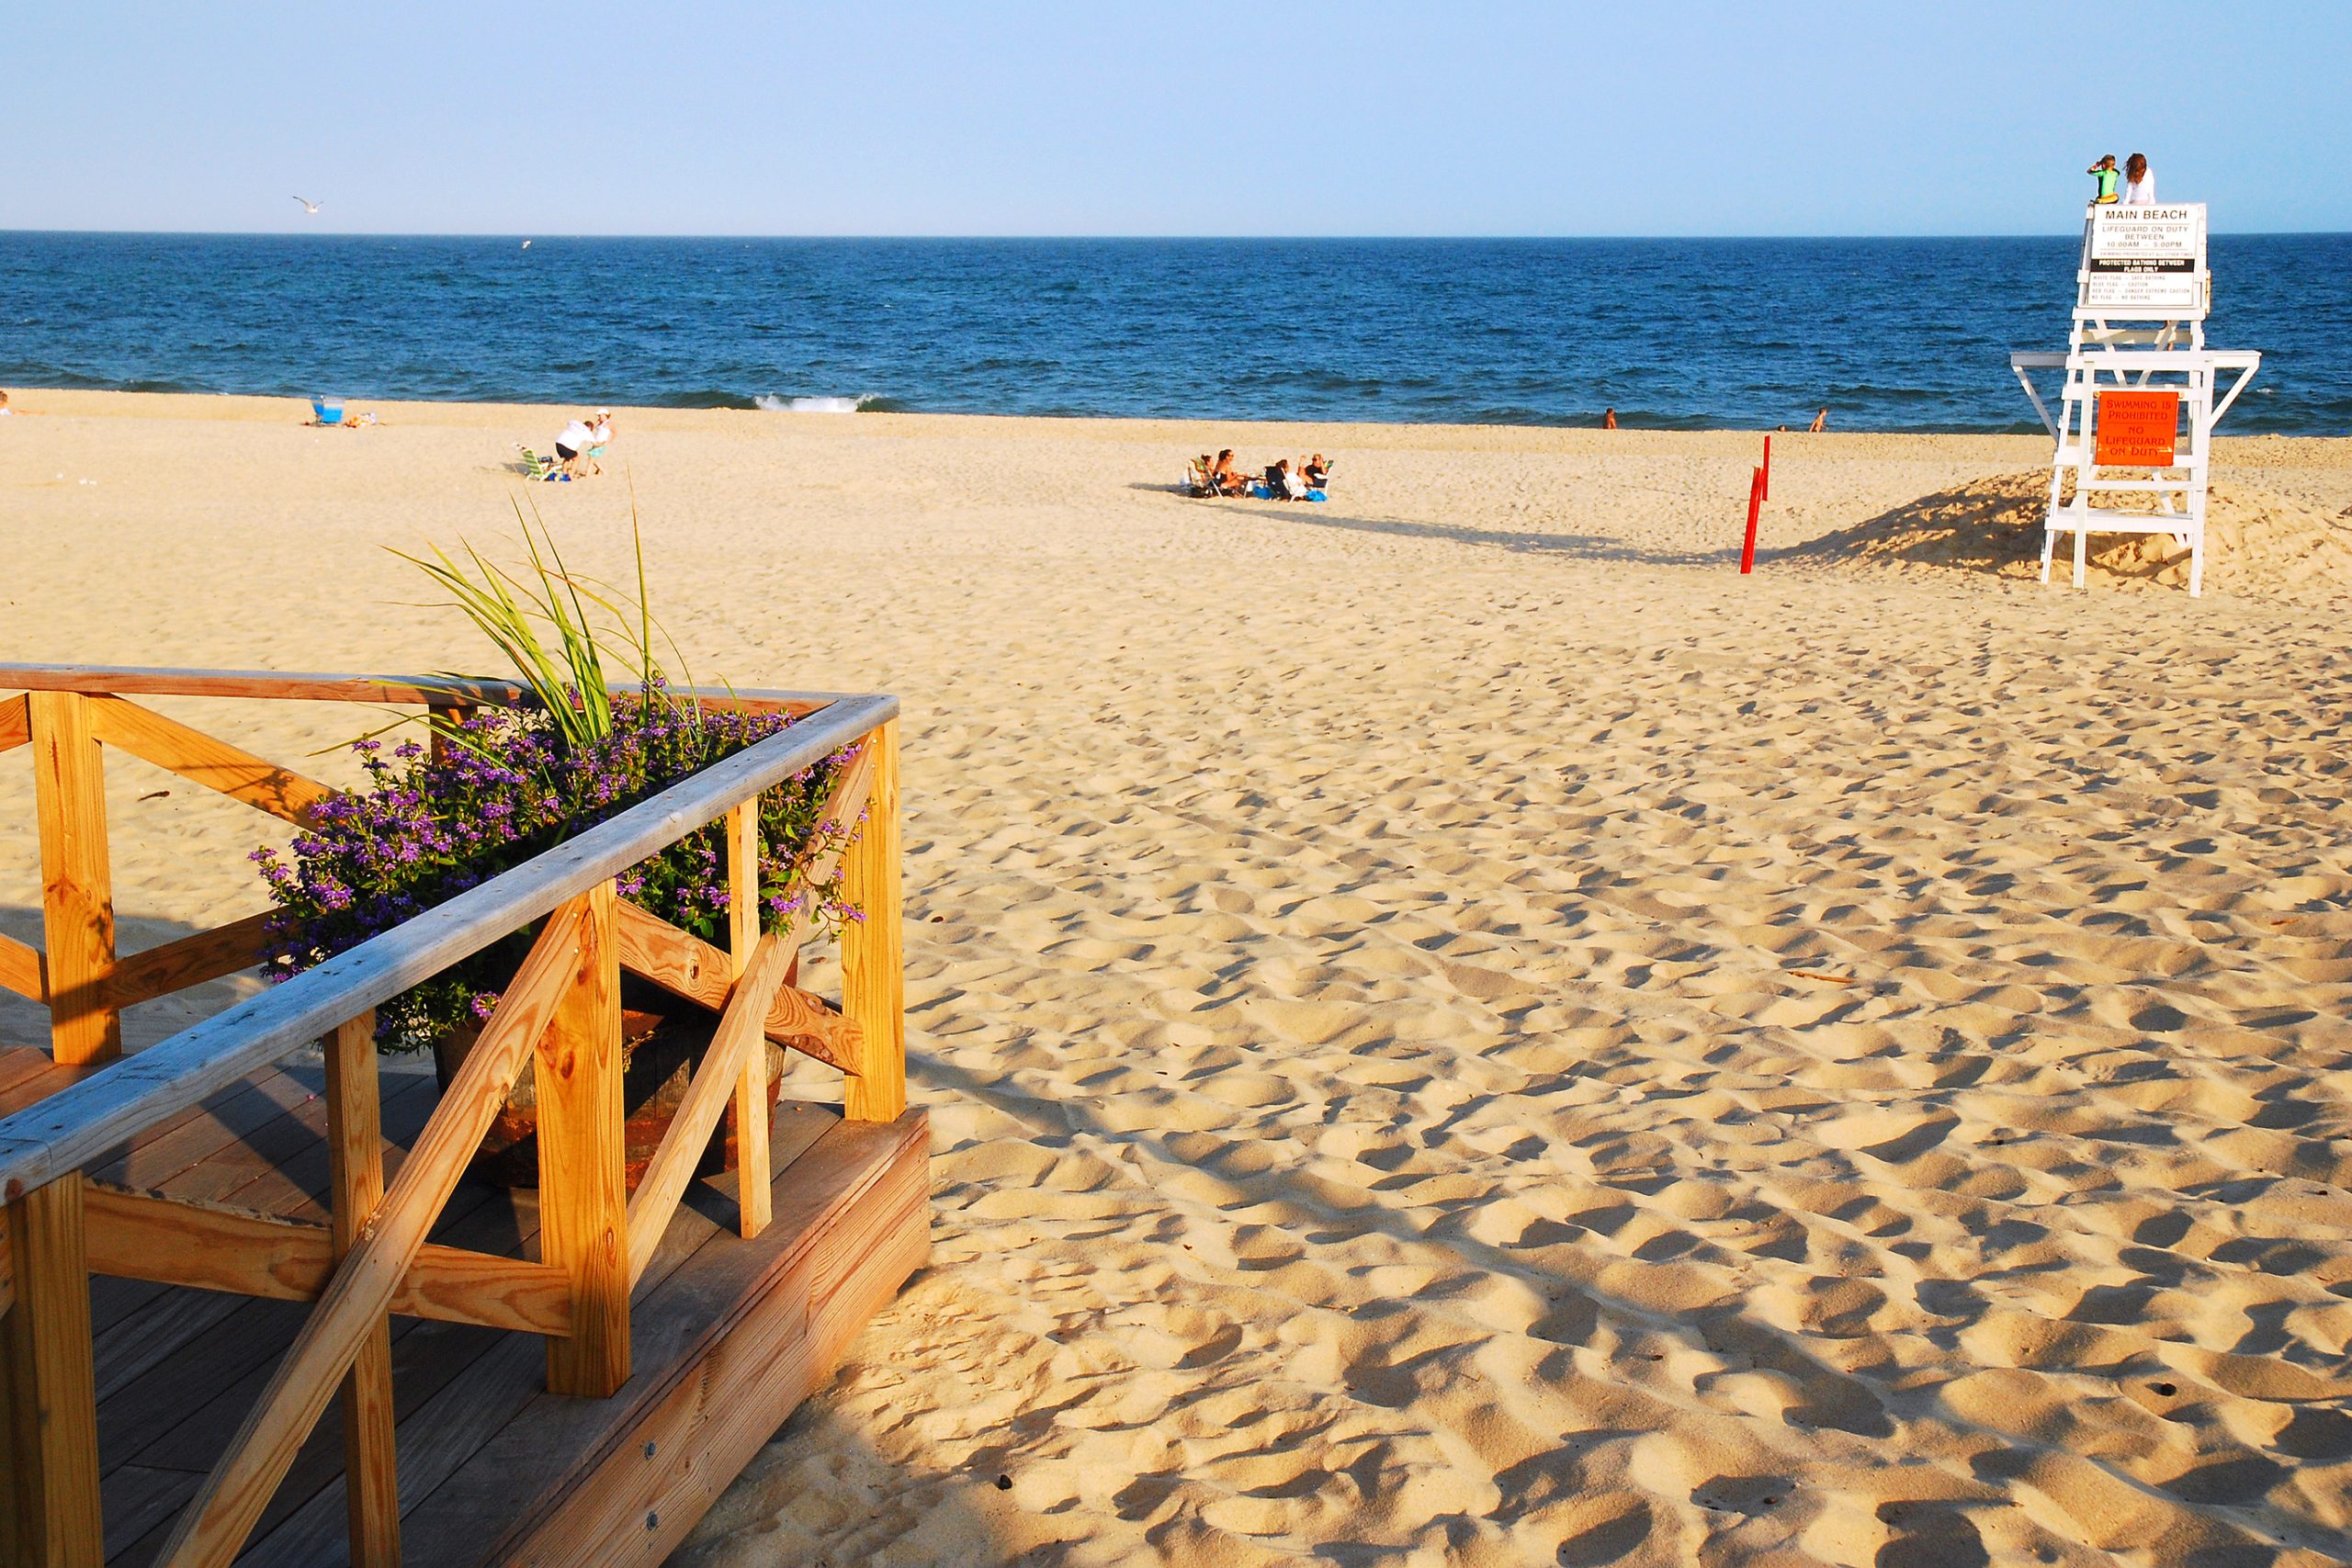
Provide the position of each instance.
(213, 1528)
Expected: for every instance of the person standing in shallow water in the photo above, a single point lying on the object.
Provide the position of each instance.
(1820, 423)
(1607, 419)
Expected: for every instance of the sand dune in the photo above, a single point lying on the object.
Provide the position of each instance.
(2256, 541)
(1459, 1030)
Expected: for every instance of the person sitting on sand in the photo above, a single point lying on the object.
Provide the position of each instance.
(1277, 479)
(1224, 478)
(571, 447)
(2138, 185)
(1820, 423)
(2104, 173)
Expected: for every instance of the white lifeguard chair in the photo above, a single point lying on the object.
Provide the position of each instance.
(2135, 365)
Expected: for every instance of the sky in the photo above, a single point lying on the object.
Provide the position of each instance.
(1452, 116)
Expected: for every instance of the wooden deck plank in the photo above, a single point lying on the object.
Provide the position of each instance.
(38, 1085)
(437, 1440)
(139, 1359)
(471, 1404)
(18, 1063)
(773, 1340)
(296, 1186)
(180, 1141)
(555, 1450)
(135, 1350)
(139, 1498)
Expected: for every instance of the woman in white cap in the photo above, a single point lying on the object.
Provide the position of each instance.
(600, 435)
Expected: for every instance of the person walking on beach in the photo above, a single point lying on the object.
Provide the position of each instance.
(2138, 185)
(1820, 423)
(2104, 173)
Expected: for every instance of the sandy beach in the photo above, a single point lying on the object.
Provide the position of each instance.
(1457, 1028)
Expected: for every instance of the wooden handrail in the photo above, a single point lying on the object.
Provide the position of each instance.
(410, 691)
(561, 1010)
(79, 1122)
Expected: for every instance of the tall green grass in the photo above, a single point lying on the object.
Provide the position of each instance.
(539, 616)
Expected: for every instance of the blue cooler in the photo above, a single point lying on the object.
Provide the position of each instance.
(329, 409)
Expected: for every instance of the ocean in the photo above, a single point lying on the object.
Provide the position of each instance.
(1898, 334)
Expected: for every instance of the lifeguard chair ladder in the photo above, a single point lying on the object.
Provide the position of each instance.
(2139, 325)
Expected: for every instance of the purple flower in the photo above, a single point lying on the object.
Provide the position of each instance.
(425, 830)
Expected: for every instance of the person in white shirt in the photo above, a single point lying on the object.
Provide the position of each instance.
(3, 404)
(571, 447)
(600, 435)
(2138, 185)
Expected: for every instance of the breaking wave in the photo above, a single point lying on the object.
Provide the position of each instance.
(819, 405)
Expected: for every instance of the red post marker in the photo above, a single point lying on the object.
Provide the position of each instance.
(1768, 467)
(1755, 504)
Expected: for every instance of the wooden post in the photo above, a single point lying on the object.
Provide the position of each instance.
(753, 1175)
(52, 1486)
(355, 1161)
(584, 1202)
(437, 743)
(873, 981)
(76, 890)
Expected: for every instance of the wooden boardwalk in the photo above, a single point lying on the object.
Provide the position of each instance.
(210, 1247)
(729, 1335)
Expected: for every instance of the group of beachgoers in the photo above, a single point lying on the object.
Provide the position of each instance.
(1215, 476)
(576, 450)
(2139, 184)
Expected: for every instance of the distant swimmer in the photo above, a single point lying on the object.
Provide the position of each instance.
(1607, 419)
(1820, 423)
(2104, 172)
(2138, 185)
(309, 206)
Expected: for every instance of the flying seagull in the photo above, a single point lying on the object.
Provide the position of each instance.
(309, 206)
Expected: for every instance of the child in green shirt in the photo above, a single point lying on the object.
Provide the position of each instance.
(2104, 171)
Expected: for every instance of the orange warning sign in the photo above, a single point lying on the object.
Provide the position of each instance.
(2135, 429)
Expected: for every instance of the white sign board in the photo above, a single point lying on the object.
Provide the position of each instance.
(2145, 263)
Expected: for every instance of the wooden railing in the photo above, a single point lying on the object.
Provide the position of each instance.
(560, 1014)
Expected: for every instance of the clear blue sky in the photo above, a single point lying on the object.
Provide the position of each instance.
(1452, 116)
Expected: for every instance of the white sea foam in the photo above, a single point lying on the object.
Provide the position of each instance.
(812, 405)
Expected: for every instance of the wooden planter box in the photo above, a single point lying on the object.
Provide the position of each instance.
(567, 1376)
